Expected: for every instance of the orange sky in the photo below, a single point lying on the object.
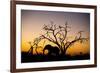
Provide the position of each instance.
(33, 21)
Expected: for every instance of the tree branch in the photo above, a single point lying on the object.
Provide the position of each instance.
(53, 41)
(74, 41)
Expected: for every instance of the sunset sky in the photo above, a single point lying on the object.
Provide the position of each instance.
(32, 22)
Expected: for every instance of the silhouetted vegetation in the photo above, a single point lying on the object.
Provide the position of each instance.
(25, 57)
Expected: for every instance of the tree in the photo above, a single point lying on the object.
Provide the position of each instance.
(59, 36)
(34, 45)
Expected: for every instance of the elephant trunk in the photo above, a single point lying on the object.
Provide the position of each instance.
(43, 51)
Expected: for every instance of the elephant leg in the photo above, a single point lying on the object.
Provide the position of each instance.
(49, 53)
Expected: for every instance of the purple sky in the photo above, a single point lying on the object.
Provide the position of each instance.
(33, 21)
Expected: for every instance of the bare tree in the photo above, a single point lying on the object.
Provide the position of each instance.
(34, 45)
(59, 36)
(30, 51)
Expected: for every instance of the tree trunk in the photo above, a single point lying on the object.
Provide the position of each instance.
(62, 51)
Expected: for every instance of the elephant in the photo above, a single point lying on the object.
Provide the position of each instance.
(52, 50)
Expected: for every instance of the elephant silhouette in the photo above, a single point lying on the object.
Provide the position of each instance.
(51, 50)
